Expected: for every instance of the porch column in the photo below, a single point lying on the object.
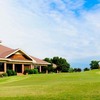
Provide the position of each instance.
(22, 68)
(13, 67)
(5, 67)
(40, 69)
(46, 71)
(31, 66)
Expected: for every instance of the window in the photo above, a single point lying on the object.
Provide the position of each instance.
(1, 66)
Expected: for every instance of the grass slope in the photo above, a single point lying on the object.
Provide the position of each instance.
(63, 86)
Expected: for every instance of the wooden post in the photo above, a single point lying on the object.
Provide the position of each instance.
(31, 66)
(5, 67)
(46, 71)
(40, 69)
(22, 68)
(13, 67)
(57, 71)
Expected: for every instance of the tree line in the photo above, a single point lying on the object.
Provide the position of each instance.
(62, 65)
(59, 64)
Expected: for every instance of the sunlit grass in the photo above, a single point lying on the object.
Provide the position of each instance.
(62, 86)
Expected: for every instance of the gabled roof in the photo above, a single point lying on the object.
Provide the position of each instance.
(6, 52)
(19, 50)
(4, 49)
(39, 61)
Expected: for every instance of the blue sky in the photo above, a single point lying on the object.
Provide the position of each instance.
(47, 28)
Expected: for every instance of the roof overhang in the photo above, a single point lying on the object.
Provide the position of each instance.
(23, 53)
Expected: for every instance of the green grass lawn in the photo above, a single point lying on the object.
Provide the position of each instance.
(62, 86)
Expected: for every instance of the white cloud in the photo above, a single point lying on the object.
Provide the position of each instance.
(45, 32)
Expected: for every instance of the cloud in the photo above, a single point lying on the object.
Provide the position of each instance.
(51, 28)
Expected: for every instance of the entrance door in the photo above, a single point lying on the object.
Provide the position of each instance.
(18, 68)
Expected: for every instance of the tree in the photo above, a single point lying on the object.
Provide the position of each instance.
(70, 70)
(94, 64)
(77, 69)
(86, 69)
(62, 64)
(48, 60)
(49, 67)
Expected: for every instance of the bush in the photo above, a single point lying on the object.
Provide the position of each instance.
(30, 71)
(14, 73)
(26, 71)
(35, 71)
(11, 73)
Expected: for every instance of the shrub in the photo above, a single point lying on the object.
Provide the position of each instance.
(26, 71)
(11, 73)
(30, 71)
(35, 71)
(14, 73)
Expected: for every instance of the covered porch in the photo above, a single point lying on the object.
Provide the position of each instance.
(20, 67)
(42, 68)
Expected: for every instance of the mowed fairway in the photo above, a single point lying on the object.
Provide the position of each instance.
(62, 86)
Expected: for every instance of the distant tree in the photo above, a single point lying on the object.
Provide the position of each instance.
(71, 70)
(94, 64)
(77, 69)
(48, 60)
(86, 69)
(62, 64)
(49, 67)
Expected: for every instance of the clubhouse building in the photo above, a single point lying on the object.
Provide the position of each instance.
(18, 60)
